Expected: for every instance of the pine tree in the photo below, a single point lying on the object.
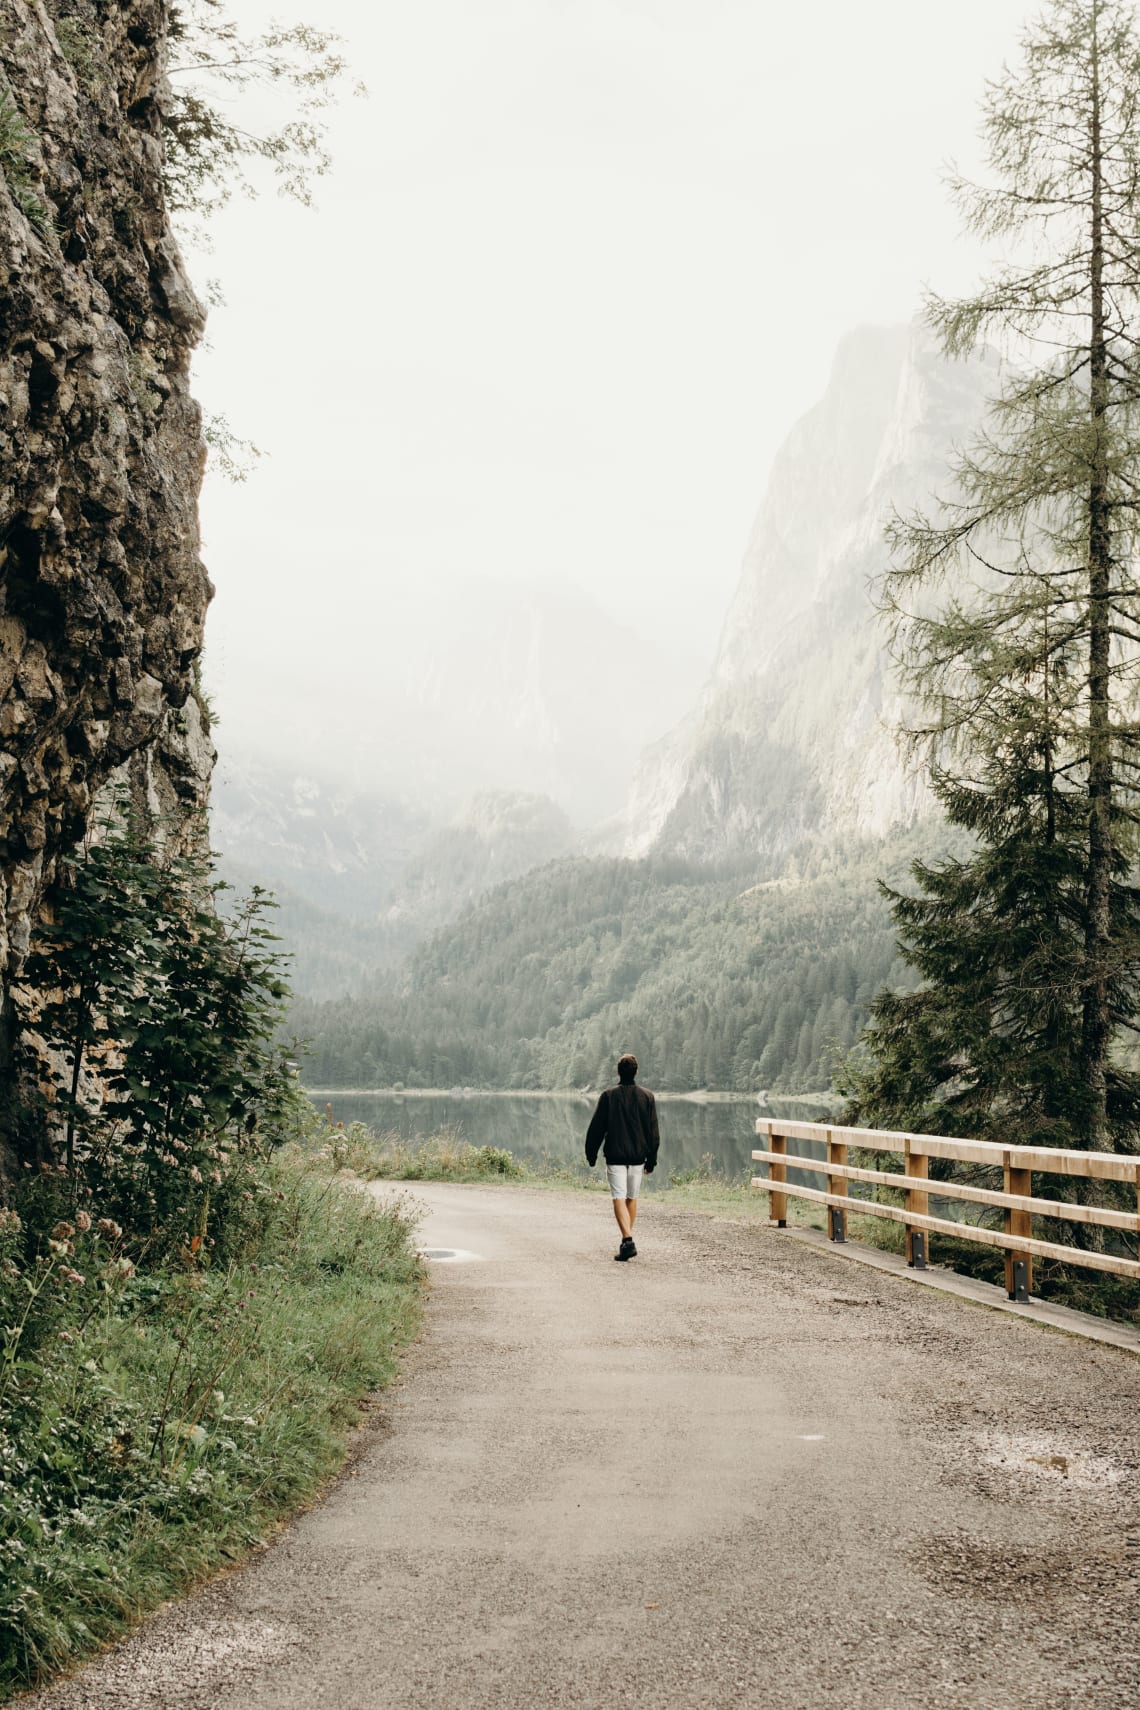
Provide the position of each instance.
(992, 1043)
(1015, 618)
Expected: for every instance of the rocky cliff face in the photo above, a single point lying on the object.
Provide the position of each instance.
(794, 733)
(313, 836)
(102, 591)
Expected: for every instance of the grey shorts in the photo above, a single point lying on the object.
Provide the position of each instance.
(624, 1180)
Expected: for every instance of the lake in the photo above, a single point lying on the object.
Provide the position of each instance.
(541, 1127)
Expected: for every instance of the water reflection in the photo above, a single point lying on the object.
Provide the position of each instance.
(553, 1127)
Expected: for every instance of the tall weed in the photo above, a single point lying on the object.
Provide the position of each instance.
(441, 1157)
(151, 1424)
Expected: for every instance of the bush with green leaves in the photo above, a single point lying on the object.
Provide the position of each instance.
(159, 1012)
(213, 61)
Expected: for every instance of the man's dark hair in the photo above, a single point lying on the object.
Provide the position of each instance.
(627, 1067)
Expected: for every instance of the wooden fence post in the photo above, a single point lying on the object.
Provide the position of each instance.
(1017, 1223)
(836, 1214)
(917, 1164)
(778, 1202)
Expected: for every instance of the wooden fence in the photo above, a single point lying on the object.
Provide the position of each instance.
(1016, 1199)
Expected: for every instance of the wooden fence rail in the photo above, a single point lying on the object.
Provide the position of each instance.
(1016, 1199)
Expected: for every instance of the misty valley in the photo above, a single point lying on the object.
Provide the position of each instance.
(725, 922)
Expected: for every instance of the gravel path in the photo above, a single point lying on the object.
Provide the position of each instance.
(734, 1472)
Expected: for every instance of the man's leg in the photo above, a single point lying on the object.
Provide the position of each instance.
(625, 1221)
(632, 1189)
(619, 1186)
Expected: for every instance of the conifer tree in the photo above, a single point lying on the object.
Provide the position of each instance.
(1016, 619)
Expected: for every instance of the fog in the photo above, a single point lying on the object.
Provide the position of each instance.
(519, 376)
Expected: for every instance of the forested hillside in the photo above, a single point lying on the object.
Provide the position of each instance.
(361, 879)
(713, 981)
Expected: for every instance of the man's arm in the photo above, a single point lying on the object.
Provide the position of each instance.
(596, 1132)
(653, 1141)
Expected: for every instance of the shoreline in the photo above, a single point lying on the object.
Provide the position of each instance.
(583, 1094)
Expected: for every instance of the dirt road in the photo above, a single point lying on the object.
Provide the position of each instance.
(737, 1471)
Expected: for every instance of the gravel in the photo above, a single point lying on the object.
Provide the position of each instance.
(719, 1473)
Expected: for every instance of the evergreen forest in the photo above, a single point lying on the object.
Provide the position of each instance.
(713, 981)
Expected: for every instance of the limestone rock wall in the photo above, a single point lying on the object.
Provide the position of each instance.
(102, 591)
(794, 738)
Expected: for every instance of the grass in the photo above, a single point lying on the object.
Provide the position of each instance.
(167, 1419)
(447, 1157)
(17, 156)
(441, 1157)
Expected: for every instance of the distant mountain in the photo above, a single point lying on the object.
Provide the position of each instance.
(331, 956)
(470, 685)
(793, 736)
(313, 835)
(359, 879)
(739, 942)
(498, 836)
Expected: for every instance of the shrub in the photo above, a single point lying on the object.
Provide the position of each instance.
(151, 1421)
(164, 1080)
(705, 1171)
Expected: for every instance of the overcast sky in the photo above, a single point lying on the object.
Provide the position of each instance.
(579, 266)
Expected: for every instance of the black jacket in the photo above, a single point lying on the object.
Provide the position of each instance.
(626, 1121)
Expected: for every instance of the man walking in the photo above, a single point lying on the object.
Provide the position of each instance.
(625, 1122)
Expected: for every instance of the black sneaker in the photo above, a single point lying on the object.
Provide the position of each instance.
(627, 1250)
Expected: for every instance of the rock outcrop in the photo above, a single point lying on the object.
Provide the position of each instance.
(102, 591)
(794, 735)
